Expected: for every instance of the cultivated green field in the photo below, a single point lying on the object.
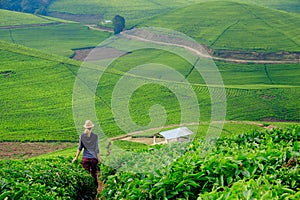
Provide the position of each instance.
(234, 26)
(35, 107)
(256, 29)
(11, 18)
(36, 95)
(138, 9)
(38, 104)
(55, 39)
(254, 92)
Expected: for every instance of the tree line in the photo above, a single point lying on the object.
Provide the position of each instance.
(41, 7)
(28, 6)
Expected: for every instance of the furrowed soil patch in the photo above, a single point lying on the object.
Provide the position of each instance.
(276, 56)
(98, 53)
(20, 150)
(83, 18)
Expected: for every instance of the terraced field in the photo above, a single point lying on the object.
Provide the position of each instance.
(55, 39)
(267, 97)
(143, 9)
(36, 95)
(10, 18)
(37, 108)
(39, 103)
(234, 26)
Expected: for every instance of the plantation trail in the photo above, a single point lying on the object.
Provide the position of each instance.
(30, 25)
(148, 38)
(23, 150)
(289, 58)
(129, 135)
(98, 28)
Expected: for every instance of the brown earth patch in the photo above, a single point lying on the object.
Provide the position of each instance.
(264, 96)
(83, 18)
(143, 140)
(235, 56)
(30, 25)
(20, 150)
(94, 54)
(274, 56)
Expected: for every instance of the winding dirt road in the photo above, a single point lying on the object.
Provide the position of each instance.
(188, 124)
(206, 55)
(193, 50)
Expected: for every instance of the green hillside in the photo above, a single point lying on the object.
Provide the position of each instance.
(254, 92)
(36, 91)
(219, 25)
(37, 106)
(55, 39)
(234, 26)
(36, 95)
(138, 9)
(147, 88)
(11, 18)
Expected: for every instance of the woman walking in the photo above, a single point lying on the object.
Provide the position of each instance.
(91, 155)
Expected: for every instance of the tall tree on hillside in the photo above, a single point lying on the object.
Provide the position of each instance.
(119, 24)
(30, 6)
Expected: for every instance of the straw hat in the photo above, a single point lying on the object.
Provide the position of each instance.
(88, 124)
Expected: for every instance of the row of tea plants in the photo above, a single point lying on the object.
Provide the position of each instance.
(255, 165)
(55, 178)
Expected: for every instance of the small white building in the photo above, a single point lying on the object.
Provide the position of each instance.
(106, 21)
(175, 135)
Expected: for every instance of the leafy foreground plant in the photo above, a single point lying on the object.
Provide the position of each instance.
(45, 179)
(256, 165)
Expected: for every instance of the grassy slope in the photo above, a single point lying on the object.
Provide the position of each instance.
(11, 18)
(55, 39)
(229, 25)
(258, 92)
(34, 105)
(252, 93)
(138, 9)
(257, 29)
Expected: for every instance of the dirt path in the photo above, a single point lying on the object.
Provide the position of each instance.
(120, 137)
(21, 150)
(98, 28)
(206, 55)
(193, 50)
(30, 25)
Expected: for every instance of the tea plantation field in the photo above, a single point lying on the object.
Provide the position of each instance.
(34, 107)
(141, 9)
(10, 18)
(234, 26)
(258, 164)
(55, 39)
(255, 155)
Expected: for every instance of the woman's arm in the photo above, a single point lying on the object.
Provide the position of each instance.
(77, 155)
(99, 158)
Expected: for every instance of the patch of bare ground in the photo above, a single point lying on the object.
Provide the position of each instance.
(20, 150)
(97, 53)
(144, 140)
(222, 55)
(82, 18)
(30, 25)
(274, 56)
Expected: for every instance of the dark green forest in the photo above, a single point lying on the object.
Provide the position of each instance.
(28, 6)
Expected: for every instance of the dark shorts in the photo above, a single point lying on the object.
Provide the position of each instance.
(91, 165)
